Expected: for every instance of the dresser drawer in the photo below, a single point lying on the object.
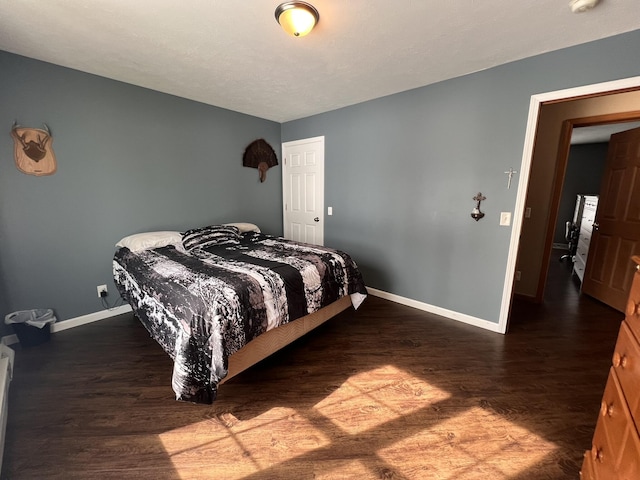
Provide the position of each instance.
(611, 430)
(633, 306)
(586, 225)
(626, 363)
(630, 460)
(614, 416)
(587, 471)
(582, 251)
(615, 452)
(586, 231)
(590, 207)
(578, 267)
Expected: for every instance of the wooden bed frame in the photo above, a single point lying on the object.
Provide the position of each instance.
(270, 342)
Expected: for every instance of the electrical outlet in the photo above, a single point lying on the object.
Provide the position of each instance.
(102, 291)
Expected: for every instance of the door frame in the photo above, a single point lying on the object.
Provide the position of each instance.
(599, 89)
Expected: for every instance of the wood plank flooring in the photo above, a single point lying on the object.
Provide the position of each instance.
(388, 392)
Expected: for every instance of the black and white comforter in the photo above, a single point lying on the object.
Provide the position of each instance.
(205, 305)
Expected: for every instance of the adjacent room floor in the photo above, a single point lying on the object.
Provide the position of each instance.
(388, 392)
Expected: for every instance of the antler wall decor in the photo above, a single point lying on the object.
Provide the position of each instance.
(33, 152)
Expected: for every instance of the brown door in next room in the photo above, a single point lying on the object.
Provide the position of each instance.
(616, 230)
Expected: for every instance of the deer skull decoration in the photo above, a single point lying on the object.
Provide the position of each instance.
(33, 152)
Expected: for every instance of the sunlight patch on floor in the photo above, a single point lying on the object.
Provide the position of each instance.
(375, 397)
(498, 449)
(235, 449)
(371, 426)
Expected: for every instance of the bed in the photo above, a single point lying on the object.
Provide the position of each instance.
(220, 298)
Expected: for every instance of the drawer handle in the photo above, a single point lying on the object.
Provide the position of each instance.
(598, 454)
(632, 307)
(606, 410)
(619, 361)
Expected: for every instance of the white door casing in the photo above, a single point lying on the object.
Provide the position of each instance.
(303, 190)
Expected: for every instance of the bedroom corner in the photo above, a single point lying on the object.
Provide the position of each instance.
(129, 160)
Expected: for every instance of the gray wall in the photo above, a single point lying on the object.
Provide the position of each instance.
(129, 160)
(401, 172)
(585, 167)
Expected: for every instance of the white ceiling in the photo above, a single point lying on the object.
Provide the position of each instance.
(599, 133)
(233, 54)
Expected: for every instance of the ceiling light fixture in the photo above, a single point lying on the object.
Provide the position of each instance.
(579, 6)
(297, 18)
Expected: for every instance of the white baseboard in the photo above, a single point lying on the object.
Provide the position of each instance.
(443, 312)
(76, 322)
(89, 318)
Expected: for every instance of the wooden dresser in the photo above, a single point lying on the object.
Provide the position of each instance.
(615, 452)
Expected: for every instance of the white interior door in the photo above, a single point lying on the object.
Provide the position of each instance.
(303, 190)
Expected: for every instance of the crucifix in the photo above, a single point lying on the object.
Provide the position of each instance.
(510, 172)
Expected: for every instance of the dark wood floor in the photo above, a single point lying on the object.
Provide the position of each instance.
(387, 392)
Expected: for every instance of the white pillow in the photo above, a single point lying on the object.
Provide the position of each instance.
(149, 240)
(245, 227)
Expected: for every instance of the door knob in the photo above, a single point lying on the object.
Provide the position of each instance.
(316, 219)
(595, 226)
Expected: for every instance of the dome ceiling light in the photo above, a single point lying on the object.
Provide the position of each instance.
(579, 6)
(297, 18)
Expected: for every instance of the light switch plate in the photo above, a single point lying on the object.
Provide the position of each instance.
(505, 219)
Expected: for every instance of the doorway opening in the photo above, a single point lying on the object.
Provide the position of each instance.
(552, 117)
(590, 150)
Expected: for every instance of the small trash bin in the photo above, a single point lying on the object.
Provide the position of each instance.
(33, 327)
